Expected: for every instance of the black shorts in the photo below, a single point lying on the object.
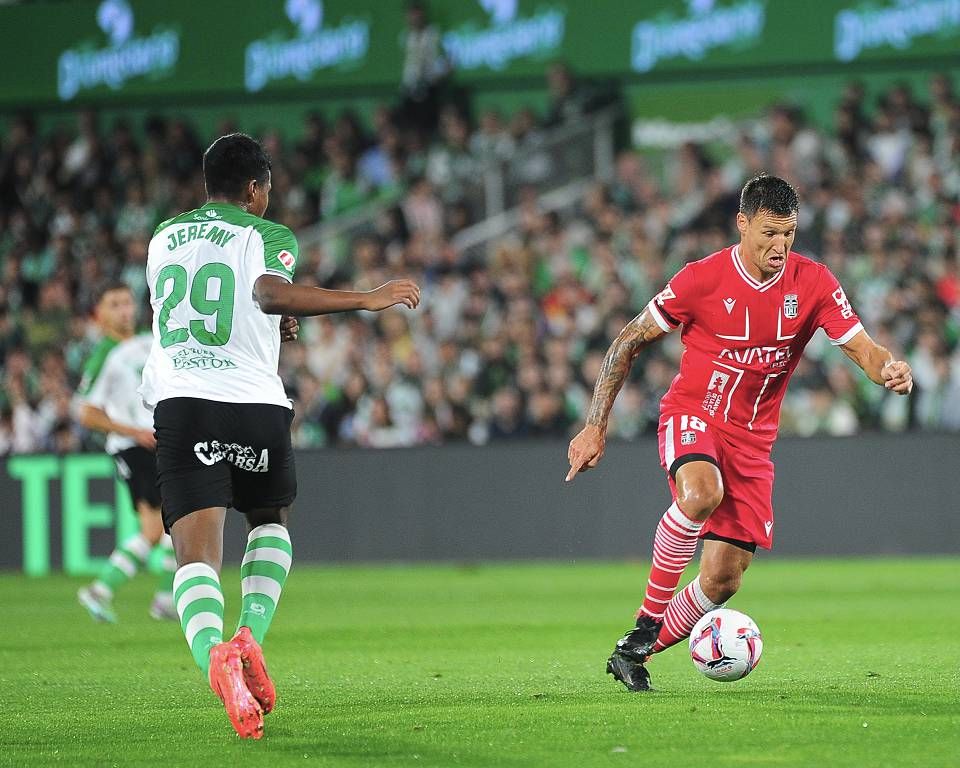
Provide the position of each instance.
(138, 467)
(212, 454)
(747, 546)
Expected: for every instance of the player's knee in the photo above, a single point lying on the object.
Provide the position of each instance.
(700, 496)
(721, 585)
(194, 551)
(185, 557)
(266, 516)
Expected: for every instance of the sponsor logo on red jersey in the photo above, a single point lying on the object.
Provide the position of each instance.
(775, 357)
(846, 311)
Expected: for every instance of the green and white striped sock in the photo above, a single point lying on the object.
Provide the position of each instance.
(168, 564)
(122, 565)
(196, 589)
(266, 564)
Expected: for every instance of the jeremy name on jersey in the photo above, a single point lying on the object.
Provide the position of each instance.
(211, 341)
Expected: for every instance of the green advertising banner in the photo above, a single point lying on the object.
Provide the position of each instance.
(491, 38)
(763, 33)
(93, 511)
(115, 49)
(83, 51)
(66, 51)
(316, 42)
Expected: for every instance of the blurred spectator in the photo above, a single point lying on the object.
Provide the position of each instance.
(533, 164)
(451, 167)
(492, 142)
(568, 100)
(507, 415)
(424, 68)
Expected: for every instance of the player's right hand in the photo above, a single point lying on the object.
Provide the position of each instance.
(586, 450)
(289, 328)
(146, 439)
(404, 292)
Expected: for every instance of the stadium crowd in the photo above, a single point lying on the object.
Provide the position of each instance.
(507, 346)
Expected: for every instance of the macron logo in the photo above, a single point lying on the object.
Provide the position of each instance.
(768, 525)
(287, 259)
(728, 303)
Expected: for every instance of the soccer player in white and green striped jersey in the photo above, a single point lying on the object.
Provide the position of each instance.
(221, 286)
(108, 402)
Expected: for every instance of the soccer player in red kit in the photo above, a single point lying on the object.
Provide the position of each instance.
(747, 313)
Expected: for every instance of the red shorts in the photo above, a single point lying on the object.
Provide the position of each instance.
(746, 512)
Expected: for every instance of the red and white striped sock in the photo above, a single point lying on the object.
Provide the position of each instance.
(674, 546)
(685, 609)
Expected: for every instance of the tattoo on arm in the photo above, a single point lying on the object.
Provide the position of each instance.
(636, 335)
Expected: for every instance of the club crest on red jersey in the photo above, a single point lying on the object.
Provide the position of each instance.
(688, 438)
(791, 306)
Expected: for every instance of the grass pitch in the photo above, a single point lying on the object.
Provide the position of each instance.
(498, 665)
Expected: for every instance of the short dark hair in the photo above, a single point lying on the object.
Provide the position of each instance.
(106, 286)
(768, 193)
(231, 162)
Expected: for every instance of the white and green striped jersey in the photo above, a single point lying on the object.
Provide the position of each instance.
(210, 338)
(113, 388)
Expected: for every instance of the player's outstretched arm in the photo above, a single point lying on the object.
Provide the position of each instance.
(96, 419)
(879, 365)
(278, 297)
(586, 449)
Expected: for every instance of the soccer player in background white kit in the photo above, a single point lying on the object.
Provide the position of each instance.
(108, 402)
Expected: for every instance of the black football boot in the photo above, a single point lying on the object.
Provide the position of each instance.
(633, 649)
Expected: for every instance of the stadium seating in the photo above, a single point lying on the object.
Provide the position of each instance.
(505, 346)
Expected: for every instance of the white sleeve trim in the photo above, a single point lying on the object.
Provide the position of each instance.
(848, 335)
(284, 275)
(658, 318)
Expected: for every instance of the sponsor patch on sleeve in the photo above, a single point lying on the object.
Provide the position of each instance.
(287, 259)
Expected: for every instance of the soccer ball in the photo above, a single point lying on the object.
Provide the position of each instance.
(725, 645)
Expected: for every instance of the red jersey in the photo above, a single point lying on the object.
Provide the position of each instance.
(743, 338)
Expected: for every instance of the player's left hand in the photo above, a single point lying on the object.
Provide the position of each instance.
(897, 377)
(289, 328)
(402, 291)
(146, 438)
